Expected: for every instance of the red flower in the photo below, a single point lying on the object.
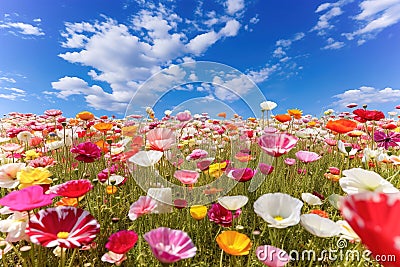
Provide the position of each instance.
(368, 115)
(67, 227)
(28, 198)
(73, 188)
(87, 152)
(218, 214)
(375, 219)
(121, 242)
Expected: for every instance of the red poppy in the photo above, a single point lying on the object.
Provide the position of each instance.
(282, 117)
(341, 126)
(368, 115)
(121, 242)
(73, 188)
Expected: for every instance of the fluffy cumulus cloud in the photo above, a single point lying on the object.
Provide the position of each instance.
(367, 95)
(152, 40)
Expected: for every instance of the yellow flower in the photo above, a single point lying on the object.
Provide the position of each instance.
(296, 113)
(111, 189)
(198, 212)
(33, 176)
(31, 154)
(216, 170)
(234, 243)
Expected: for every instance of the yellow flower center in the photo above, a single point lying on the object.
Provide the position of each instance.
(278, 218)
(63, 235)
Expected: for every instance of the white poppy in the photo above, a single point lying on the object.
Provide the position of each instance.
(146, 158)
(278, 210)
(348, 150)
(347, 232)
(268, 105)
(24, 136)
(15, 226)
(311, 199)
(233, 202)
(319, 226)
(8, 174)
(358, 180)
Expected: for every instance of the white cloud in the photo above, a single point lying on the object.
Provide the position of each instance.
(8, 96)
(230, 29)
(233, 6)
(23, 28)
(324, 20)
(278, 52)
(262, 74)
(6, 79)
(201, 42)
(333, 45)
(368, 95)
(16, 90)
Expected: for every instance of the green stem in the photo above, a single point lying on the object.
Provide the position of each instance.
(72, 258)
(62, 258)
(19, 256)
(221, 258)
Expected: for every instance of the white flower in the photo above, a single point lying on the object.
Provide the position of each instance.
(8, 174)
(342, 148)
(347, 232)
(268, 105)
(146, 158)
(15, 226)
(24, 136)
(233, 202)
(319, 226)
(278, 210)
(310, 199)
(371, 154)
(167, 112)
(358, 180)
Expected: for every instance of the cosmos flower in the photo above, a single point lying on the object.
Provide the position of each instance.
(169, 245)
(66, 227)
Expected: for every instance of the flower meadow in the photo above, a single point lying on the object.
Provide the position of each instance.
(189, 190)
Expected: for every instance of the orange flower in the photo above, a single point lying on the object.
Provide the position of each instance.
(332, 177)
(103, 126)
(67, 201)
(103, 146)
(129, 130)
(341, 126)
(222, 115)
(85, 116)
(295, 113)
(73, 122)
(320, 213)
(282, 117)
(312, 123)
(252, 119)
(111, 189)
(234, 243)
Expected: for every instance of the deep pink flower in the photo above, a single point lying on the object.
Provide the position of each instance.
(161, 139)
(87, 152)
(143, 205)
(103, 175)
(73, 188)
(265, 168)
(67, 227)
(187, 176)
(28, 198)
(197, 154)
(307, 156)
(222, 216)
(391, 139)
(204, 164)
(272, 256)
(277, 144)
(241, 174)
(121, 242)
(170, 245)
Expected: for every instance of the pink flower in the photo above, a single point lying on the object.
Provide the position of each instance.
(272, 256)
(183, 116)
(67, 227)
(87, 152)
(222, 216)
(265, 168)
(11, 147)
(121, 242)
(307, 156)
(8, 174)
(114, 258)
(53, 112)
(204, 164)
(28, 198)
(170, 245)
(331, 142)
(186, 176)
(161, 139)
(73, 188)
(277, 144)
(241, 174)
(143, 205)
(44, 161)
(289, 161)
(197, 154)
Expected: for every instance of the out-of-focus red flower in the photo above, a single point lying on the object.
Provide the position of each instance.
(368, 115)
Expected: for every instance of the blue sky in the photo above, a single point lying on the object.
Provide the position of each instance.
(96, 55)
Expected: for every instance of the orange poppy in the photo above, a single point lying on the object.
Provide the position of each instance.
(312, 123)
(252, 119)
(129, 130)
(282, 117)
(320, 213)
(222, 115)
(295, 113)
(103, 126)
(341, 126)
(85, 116)
(103, 146)
(234, 243)
(73, 122)
(111, 189)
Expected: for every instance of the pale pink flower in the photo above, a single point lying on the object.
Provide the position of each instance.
(307, 156)
(143, 205)
(187, 176)
(161, 139)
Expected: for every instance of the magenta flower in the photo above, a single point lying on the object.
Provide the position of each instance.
(143, 205)
(277, 144)
(67, 227)
(26, 199)
(272, 256)
(170, 245)
(387, 140)
(73, 188)
(241, 174)
(86, 152)
(187, 176)
(121, 242)
(265, 168)
(222, 216)
(307, 156)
